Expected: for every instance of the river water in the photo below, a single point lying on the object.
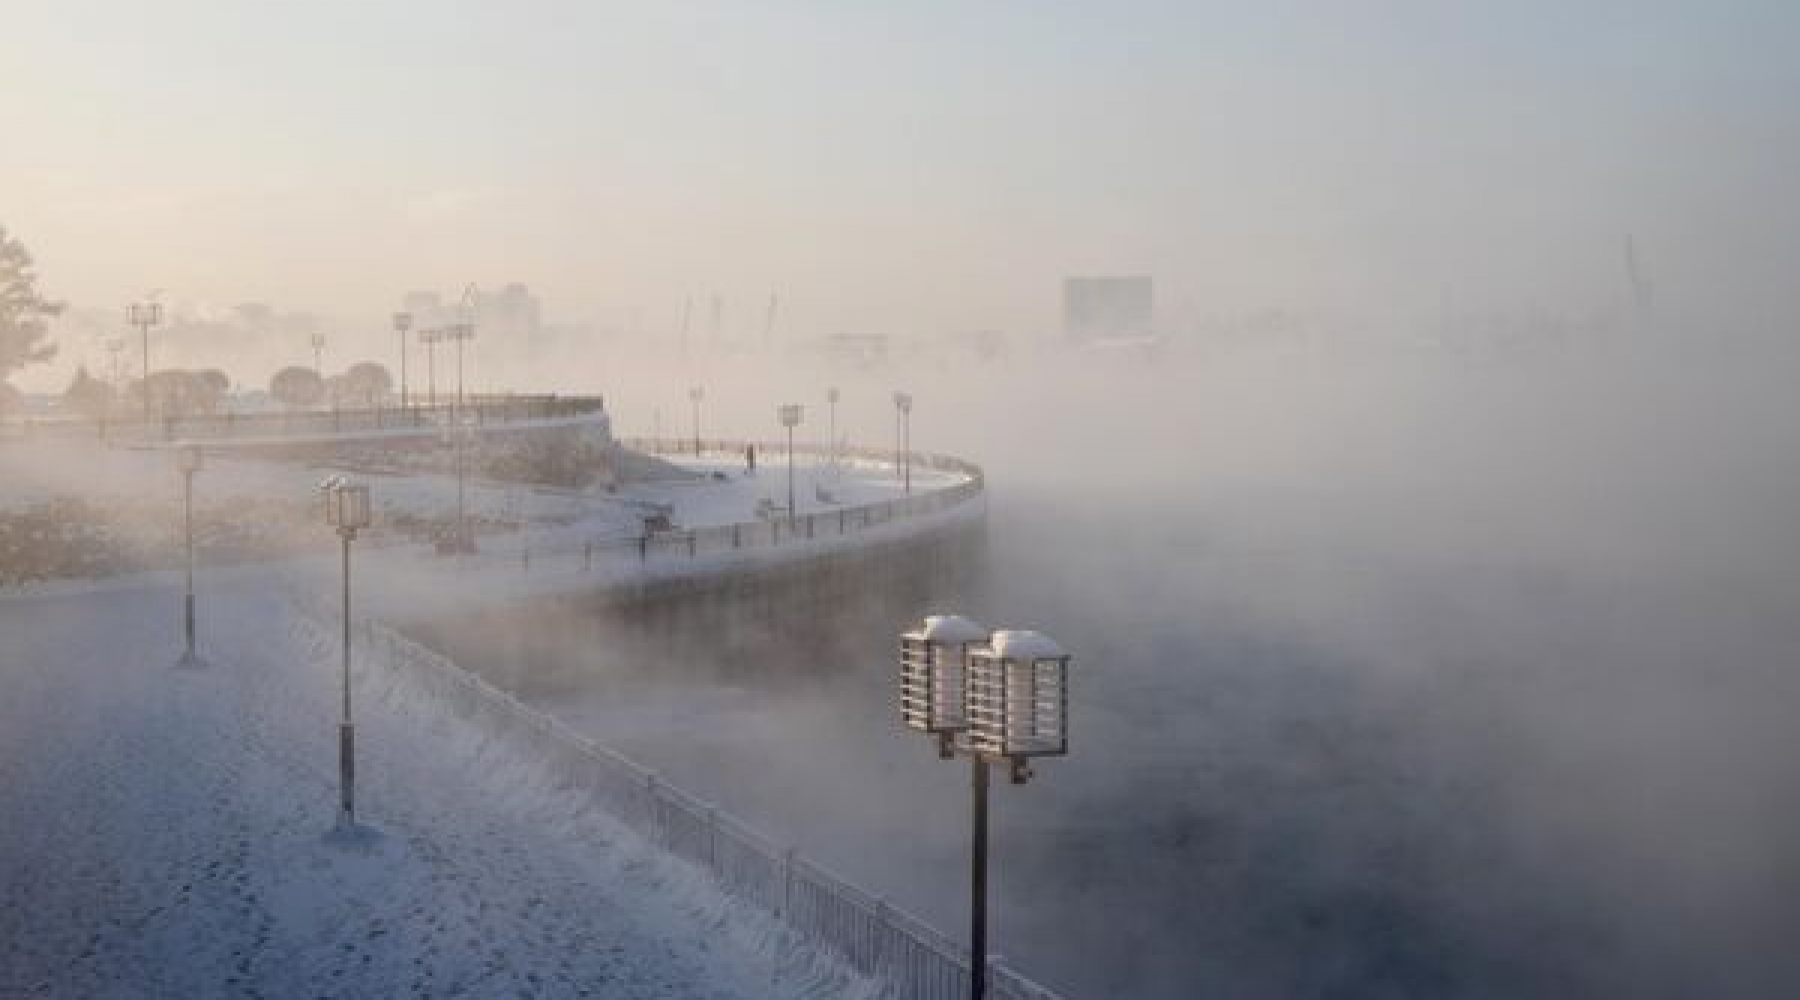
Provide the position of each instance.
(1312, 754)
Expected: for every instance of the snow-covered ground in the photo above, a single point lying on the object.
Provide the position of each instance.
(163, 832)
(249, 508)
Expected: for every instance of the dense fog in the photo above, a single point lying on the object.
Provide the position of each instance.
(1425, 544)
(1411, 673)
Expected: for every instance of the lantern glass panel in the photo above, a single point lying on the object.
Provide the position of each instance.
(354, 512)
(1017, 706)
(931, 684)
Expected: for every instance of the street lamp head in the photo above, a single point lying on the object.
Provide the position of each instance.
(346, 505)
(789, 414)
(187, 458)
(402, 321)
(696, 394)
(460, 331)
(144, 313)
(933, 676)
(1018, 699)
(831, 395)
(903, 401)
(317, 340)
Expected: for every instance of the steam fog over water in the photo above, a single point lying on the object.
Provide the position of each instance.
(1402, 677)
(1391, 408)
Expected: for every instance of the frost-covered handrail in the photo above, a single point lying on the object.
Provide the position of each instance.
(662, 549)
(916, 961)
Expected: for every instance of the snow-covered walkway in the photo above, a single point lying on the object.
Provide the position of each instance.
(161, 834)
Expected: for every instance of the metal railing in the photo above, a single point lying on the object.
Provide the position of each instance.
(765, 533)
(913, 960)
(483, 410)
(608, 550)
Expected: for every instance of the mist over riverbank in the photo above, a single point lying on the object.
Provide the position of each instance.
(1437, 679)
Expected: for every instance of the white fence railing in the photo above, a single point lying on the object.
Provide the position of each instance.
(127, 426)
(608, 550)
(911, 959)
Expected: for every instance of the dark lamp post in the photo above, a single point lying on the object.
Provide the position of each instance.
(145, 315)
(831, 397)
(695, 395)
(347, 510)
(903, 402)
(790, 418)
(998, 700)
(188, 462)
(402, 323)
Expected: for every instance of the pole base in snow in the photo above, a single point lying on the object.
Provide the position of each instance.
(353, 836)
(190, 660)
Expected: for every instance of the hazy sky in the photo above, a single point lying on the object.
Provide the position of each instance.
(916, 165)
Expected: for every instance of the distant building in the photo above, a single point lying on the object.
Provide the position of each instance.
(1108, 308)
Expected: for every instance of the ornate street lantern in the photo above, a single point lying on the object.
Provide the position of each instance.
(346, 505)
(933, 677)
(998, 700)
(1018, 700)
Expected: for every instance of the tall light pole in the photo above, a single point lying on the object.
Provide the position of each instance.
(115, 346)
(997, 699)
(317, 341)
(790, 418)
(347, 510)
(903, 437)
(402, 323)
(458, 430)
(695, 395)
(430, 339)
(145, 315)
(470, 307)
(459, 332)
(187, 462)
(831, 396)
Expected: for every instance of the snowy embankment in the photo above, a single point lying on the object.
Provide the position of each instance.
(162, 833)
(78, 514)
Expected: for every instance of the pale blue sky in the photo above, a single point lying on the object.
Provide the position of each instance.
(905, 165)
